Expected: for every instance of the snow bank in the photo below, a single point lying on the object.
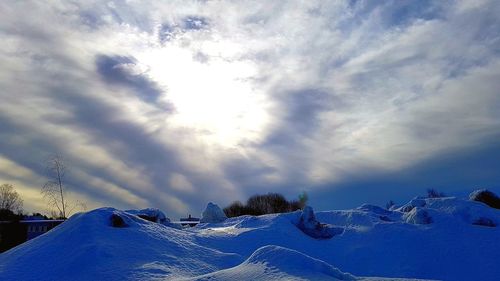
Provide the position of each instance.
(461, 243)
(213, 214)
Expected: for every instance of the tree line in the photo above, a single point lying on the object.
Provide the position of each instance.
(265, 204)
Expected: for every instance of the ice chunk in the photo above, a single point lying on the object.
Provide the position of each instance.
(213, 214)
(310, 226)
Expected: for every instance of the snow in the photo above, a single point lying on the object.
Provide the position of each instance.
(213, 214)
(417, 216)
(279, 263)
(374, 242)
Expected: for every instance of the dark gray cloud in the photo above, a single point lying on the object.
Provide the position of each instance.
(301, 110)
(116, 70)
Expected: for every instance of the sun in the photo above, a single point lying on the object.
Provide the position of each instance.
(212, 94)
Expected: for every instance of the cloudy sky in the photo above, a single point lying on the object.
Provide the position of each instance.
(172, 104)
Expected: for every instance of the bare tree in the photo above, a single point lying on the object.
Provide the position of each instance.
(9, 198)
(54, 190)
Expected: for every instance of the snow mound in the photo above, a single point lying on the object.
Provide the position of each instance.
(213, 214)
(415, 202)
(418, 216)
(450, 209)
(487, 197)
(310, 226)
(88, 247)
(279, 263)
(296, 263)
(283, 264)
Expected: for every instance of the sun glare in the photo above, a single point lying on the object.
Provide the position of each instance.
(214, 95)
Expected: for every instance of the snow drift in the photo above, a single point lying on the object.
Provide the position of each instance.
(212, 213)
(438, 238)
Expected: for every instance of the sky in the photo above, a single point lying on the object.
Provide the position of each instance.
(172, 104)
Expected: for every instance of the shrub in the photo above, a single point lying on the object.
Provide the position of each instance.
(433, 193)
(487, 197)
(8, 215)
(236, 209)
(268, 204)
(296, 205)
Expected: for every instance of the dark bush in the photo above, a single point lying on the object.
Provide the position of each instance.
(8, 215)
(433, 193)
(12, 234)
(296, 205)
(487, 197)
(268, 204)
(236, 209)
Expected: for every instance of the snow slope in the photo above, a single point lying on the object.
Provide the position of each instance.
(278, 263)
(441, 238)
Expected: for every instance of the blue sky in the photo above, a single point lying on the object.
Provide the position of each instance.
(172, 104)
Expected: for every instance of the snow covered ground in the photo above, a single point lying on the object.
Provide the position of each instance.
(440, 239)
